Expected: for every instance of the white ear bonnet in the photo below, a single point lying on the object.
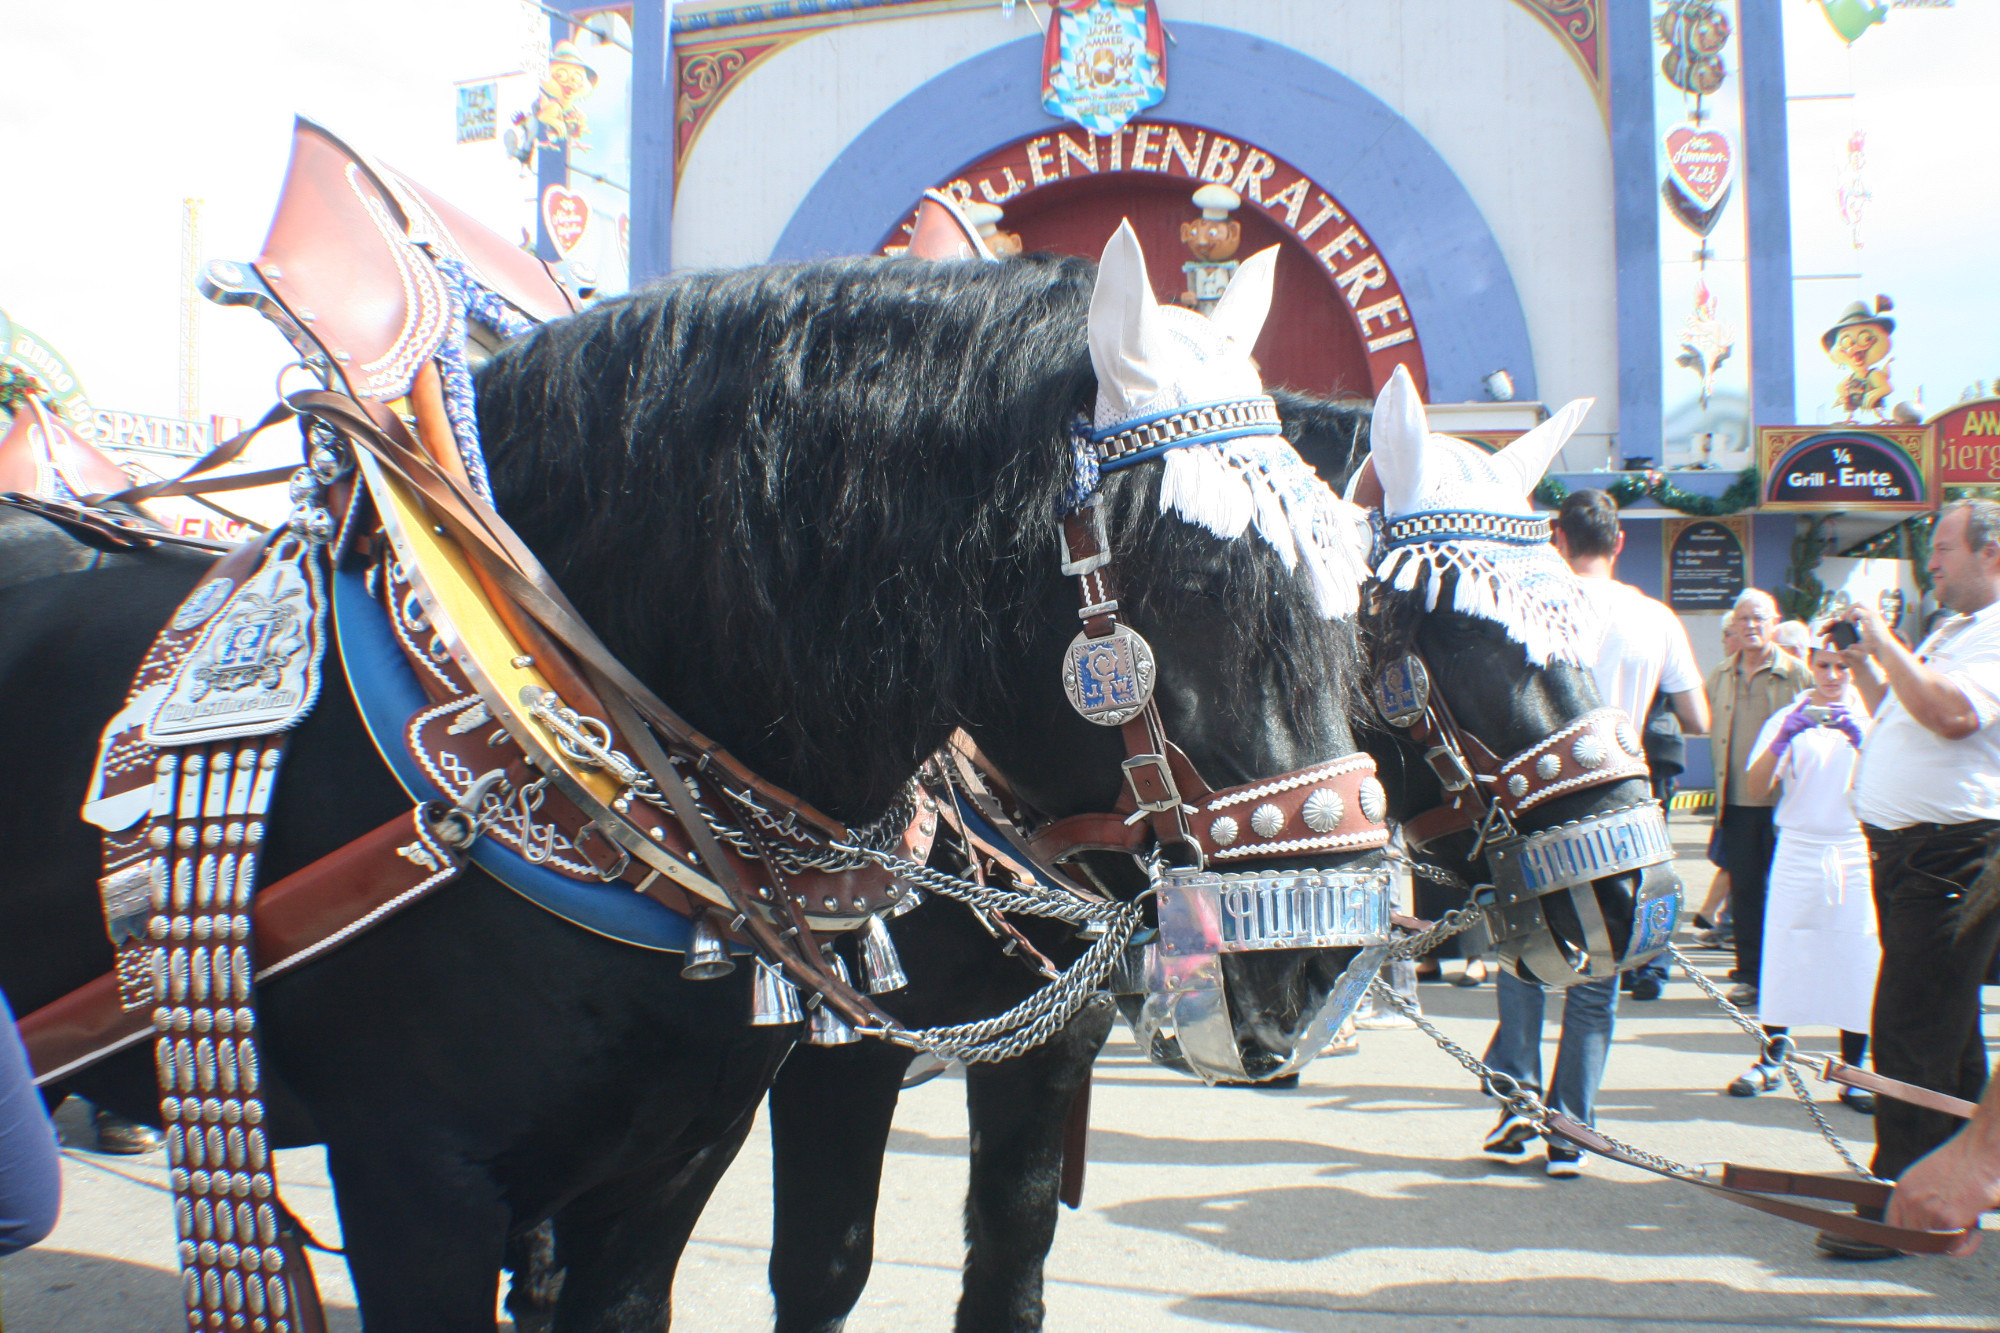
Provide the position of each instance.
(1448, 505)
(1181, 386)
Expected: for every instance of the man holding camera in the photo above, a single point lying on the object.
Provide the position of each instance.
(1928, 795)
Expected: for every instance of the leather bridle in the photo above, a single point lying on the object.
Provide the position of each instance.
(1337, 806)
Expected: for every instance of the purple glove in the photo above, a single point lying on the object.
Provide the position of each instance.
(1844, 722)
(1795, 722)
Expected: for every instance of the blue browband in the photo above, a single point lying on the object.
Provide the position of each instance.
(1133, 442)
(1445, 525)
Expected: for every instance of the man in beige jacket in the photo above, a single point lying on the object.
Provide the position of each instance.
(1744, 690)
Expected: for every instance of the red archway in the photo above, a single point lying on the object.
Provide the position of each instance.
(1338, 323)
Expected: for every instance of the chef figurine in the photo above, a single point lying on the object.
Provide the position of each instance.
(1212, 238)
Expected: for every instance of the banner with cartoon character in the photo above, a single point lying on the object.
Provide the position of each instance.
(584, 113)
(1104, 61)
(1704, 254)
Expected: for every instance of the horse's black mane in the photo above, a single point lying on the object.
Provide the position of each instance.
(814, 501)
(1329, 433)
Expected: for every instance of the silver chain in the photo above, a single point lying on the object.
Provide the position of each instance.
(1526, 1104)
(1520, 1100)
(1034, 1020)
(1789, 1062)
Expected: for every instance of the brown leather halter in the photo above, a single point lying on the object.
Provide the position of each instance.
(1485, 792)
(1336, 806)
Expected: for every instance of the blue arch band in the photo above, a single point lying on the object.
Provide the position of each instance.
(1457, 285)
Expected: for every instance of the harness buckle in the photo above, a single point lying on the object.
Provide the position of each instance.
(1086, 525)
(1153, 783)
(612, 872)
(1449, 767)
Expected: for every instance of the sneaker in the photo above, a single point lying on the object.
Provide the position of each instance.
(1858, 1099)
(1510, 1137)
(1744, 994)
(1563, 1163)
(1755, 1079)
(1646, 988)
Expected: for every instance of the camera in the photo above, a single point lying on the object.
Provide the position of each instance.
(1842, 634)
(1821, 717)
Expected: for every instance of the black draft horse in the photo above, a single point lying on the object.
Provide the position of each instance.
(814, 506)
(823, 1224)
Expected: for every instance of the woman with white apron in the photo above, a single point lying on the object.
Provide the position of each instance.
(1820, 945)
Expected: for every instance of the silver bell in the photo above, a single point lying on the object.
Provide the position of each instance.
(879, 962)
(829, 1028)
(707, 952)
(774, 1001)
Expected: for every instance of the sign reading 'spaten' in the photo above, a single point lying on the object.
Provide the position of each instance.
(1204, 912)
(1848, 468)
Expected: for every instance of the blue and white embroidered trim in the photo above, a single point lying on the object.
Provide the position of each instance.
(470, 297)
(1206, 423)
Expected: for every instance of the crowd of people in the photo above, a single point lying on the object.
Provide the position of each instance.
(1857, 809)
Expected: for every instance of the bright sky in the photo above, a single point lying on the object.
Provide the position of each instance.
(114, 111)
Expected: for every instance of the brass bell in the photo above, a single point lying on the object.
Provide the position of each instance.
(879, 962)
(774, 1001)
(708, 952)
(829, 1028)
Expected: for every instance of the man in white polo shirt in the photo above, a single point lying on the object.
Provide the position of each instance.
(1928, 795)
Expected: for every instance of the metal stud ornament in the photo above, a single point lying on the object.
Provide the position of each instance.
(1267, 821)
(1225, 831)
(1589, 751)
(1517, 786)
(1323, 810)
(1548, 768)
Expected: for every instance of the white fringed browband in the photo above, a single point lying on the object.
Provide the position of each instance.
(1226, 468)
(1527, 589)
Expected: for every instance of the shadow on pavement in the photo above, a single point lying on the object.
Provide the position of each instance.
(56, 1291)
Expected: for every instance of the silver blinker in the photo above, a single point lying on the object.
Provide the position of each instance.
(707, 952)
(774, 1001)
(879, 962)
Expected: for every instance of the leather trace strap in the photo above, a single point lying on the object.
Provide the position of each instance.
(1773, 1192)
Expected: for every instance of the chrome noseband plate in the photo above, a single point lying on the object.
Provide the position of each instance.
(1569, 859)
(1206, 914)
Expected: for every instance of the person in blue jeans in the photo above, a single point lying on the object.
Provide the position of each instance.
(1516, 1050)
(30, 1167)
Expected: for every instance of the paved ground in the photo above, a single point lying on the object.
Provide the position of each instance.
(1358, 1202)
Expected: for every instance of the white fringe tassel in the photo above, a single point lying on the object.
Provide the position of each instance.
(1531, 593)
(1260, 480)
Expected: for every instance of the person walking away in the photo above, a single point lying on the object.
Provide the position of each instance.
(1928, 796)
(1745, 689)
(1645, 651)
(1713, 925)
(1820, 945)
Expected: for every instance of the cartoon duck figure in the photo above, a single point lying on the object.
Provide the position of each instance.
(1859, 343)
(559, 117)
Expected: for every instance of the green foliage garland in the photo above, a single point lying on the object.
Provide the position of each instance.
(1628, 488)
(16, 387)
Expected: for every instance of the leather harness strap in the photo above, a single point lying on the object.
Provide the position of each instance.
(1771, 1192)
(1836, 1072)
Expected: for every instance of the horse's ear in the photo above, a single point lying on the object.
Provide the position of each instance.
(1241, 311)
(1530, 455)
(1399, 435)
(941, 231)
(1126, 337)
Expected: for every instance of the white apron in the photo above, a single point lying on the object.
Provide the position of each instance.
(1820, 945)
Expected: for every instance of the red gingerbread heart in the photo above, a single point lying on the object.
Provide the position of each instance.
(1701, 163)
(567, 214)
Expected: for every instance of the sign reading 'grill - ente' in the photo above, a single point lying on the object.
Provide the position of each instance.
(1822, 468)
